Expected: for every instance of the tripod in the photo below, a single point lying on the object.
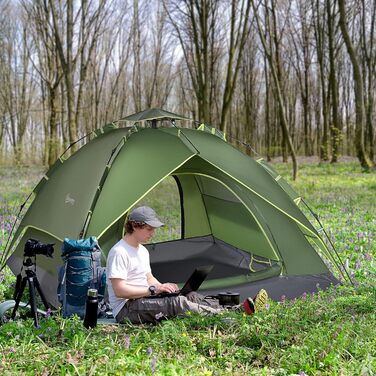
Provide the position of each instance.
(32, 280)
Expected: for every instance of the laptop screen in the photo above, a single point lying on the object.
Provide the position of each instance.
(195, 280)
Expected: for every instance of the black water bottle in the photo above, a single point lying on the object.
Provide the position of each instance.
(91, 311)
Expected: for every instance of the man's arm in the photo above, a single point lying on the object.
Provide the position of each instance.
(161, 287)
(152, 281)
(123, 290)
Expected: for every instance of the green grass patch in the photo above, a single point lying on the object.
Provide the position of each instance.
(328, 333)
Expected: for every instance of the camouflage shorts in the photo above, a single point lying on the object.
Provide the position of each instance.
(145, 310)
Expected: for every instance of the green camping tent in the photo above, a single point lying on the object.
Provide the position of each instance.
(236, 213)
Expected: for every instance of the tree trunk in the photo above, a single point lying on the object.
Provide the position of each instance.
(364, 160)
(196, 24)
(53, 144)
(267, 112)
(319, 31)
(136, 78)
(278, 81)
(237, 41)
(368, 52)
(333, 90)
(273, 64)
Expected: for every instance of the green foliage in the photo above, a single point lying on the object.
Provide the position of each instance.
(328, 333)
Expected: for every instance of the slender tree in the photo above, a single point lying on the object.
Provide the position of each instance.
(336, 126)
(300, 34)
(18, 87)
(158, 59)
(274, 65)
(196, 26)
(368, 52)
(239, 31)
(46, 64)
(364, 160)
(249, 88)
(320, 31)
(75, 35)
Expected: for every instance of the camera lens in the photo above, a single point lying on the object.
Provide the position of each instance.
(34, 247)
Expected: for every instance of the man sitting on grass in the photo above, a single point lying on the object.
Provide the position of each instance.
(130, 281)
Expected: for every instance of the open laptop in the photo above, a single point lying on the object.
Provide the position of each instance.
(193, 283)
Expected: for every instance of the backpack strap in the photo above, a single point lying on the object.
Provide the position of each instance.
(95, 264)
(64, 289)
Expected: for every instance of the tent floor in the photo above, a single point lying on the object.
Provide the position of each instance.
(288, 286)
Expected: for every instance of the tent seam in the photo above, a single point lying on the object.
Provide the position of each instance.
(262, 197)
(141, 197)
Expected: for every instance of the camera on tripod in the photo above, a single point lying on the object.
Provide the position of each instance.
(34, 247)
(29, 277)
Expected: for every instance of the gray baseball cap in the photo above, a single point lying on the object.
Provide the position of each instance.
(145, 214)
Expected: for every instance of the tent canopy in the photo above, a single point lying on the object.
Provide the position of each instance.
(236, 213)
(153, 115)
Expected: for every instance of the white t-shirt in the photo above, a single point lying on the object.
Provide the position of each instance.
(129, 263)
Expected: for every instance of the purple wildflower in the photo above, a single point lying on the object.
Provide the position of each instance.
(149, 350)
(283, 298)
(127, 342)
(153, 364)
(304, 296)
(48, 313)
(360, 236)
(367, 257)
(358, 264)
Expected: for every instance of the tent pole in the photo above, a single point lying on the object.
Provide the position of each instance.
(75, 142)
(331, 244)
(180, 129)
(182, 214)
(248, 146)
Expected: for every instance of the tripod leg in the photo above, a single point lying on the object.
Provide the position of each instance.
(17, 286)
(44, 300)
(18, 296)
(33, 303)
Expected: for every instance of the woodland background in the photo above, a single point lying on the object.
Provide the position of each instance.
(287, 77)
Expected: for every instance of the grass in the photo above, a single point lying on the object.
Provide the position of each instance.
(328, 333)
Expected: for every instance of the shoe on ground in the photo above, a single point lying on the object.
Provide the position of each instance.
(258, 303)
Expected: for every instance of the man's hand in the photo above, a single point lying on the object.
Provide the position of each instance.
(166, 287)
